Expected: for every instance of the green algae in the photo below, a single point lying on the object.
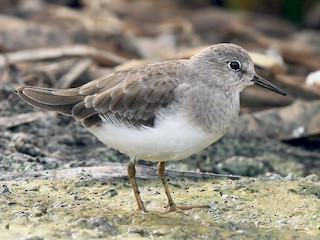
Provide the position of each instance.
(86, 208)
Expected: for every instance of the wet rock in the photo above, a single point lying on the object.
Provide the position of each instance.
(310, 189)
(240, 165)
(312, 178)
(41, 209)
(85, 181)
(136, 230)
(4, 190)
(274, 176)
(35, 238)
(98, 223)
(229, 197)
(22, 143)
(111, 192)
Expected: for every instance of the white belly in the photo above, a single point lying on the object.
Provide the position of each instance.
(168, 140)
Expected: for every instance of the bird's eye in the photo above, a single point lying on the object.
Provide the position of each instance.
(234, 65)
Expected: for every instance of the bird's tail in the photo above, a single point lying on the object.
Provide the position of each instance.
(62, 100)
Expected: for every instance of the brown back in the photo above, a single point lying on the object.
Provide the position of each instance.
(132, 96)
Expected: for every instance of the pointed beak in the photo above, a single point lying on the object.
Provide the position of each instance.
(266, 84)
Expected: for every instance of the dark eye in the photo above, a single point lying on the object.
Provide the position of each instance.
(235, 65)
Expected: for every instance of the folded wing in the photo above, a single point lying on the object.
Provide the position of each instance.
(132, 97)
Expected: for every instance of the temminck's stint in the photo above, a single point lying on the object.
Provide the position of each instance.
(162, 111)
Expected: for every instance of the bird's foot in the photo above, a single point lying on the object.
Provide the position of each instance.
(175, 208)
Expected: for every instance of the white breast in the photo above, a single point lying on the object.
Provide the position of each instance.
(171, 139)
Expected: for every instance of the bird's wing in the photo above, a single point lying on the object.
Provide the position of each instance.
(130, 97)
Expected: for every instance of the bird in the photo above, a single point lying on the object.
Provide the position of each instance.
(159, 112)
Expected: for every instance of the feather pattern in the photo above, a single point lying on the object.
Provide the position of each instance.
(132, 97)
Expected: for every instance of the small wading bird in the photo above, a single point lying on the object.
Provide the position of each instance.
(162, 111)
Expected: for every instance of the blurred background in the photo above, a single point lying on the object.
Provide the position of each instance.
(67, 43)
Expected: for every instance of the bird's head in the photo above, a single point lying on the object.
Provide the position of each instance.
(230, 67)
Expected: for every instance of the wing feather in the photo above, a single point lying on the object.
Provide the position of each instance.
(133, 97)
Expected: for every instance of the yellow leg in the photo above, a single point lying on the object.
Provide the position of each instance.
(133, 182)
(161, 172)
(171, 205)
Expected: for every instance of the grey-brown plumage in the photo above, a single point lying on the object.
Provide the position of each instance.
(158, 112)
(133, 96)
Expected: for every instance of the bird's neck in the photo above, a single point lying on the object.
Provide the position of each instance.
(213, 109)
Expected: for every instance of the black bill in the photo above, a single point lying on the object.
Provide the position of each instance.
(266, 84)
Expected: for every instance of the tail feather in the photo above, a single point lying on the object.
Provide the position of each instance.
(50, 99)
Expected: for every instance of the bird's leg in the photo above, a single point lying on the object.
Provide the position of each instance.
(161, 172)
(171, 206)
(133, 182)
